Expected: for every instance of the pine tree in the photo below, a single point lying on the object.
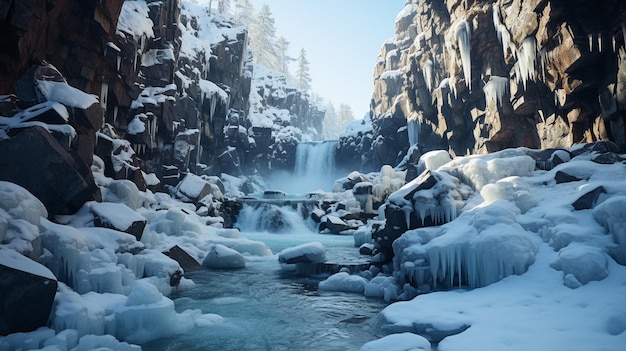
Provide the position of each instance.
(263, 39)
(303, 76)
(244, 13)
(345, 115)
(282, 46)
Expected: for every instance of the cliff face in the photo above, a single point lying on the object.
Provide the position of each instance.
(171, 83)
(480, 76)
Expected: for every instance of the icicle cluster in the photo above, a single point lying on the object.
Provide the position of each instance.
(495, 89)
(526, 61)
(503, 34)
(463, 37)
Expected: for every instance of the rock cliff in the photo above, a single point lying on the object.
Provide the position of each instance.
(171, 84)
(481, 76)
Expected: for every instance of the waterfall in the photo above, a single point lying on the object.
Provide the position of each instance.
(315, 169)
(315, 158)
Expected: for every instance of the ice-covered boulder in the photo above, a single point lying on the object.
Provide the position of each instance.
(581, 264)
(433, 198)
(314, 252)
(336, 225)
(344, 282)
(27, 291)
(398, 342)
(222, 257)
(192, 188)
(432, 160)
(119, 217)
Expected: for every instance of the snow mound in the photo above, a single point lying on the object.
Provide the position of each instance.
(611, 214)
(344, 282)
(584, 263)
(398, 342)
(65, 94)
(314, 252)
(222, 257)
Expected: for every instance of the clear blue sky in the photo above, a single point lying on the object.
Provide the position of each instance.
(342, 39)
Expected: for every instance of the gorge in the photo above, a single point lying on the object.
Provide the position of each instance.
(158, 188)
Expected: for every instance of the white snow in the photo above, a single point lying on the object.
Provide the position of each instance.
(398, 342)
(65, 94)
(12, 259)
(118, 215)
(134, 19)
(435, 159)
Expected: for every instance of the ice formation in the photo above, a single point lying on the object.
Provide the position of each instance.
(464, 36)
(495, 89)
(526, 61)
(503, 33)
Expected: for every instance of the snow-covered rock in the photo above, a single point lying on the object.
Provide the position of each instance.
(222, 257)
(398, 342)
(344, 282)
(314, 252)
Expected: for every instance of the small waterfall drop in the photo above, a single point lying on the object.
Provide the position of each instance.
(315, 165)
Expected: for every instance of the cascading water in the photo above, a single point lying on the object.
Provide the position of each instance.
(315, 165)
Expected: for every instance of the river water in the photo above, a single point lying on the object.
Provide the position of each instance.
(266, 307)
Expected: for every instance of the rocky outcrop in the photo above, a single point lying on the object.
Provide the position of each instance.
(481, 76)
(170, 85)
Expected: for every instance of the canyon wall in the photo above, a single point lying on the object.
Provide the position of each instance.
(477, 76)
(168, 83)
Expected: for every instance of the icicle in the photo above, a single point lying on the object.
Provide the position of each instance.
(463, 37)
(527, 57)
(503, 34)
(600, 42)
(590, 39)
(613, 42)
(427, 71)
(104, 94)
(495, 88)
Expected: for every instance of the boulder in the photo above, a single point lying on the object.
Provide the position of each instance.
(118, 217)
(589, 199)
(193, 188)
(336, 225)
(35, 160)
(222, 257)
(27, 291)
(314, 252)
(562, 177)
(186, 261)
